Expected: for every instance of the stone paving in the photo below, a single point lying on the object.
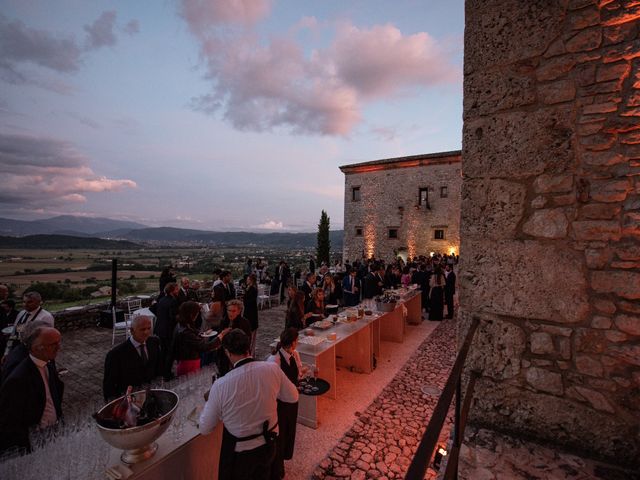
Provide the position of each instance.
(489, 455)
(383, 440)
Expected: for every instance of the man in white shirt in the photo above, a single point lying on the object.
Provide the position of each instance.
(32, 311)
(245, 401)
(32, 394)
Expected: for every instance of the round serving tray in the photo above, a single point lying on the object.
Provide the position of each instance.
(322, 385)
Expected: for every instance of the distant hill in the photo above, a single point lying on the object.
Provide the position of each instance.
(68, 226)
(64, 242)
(64, 224)
(239, 239)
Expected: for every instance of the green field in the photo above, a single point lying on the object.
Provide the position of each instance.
(70, 276)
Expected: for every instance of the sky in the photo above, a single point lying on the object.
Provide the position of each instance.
(218, 115)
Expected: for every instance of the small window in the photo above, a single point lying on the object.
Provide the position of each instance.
(393, 233)
(443, 192)
(438, 234)
(355, 194)
(358, 231)
(423, 197)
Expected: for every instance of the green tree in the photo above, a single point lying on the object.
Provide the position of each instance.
(324, 244)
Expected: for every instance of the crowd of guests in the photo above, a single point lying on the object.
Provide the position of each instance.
(176, 343)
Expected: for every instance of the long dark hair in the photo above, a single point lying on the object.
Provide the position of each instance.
(187, 313)
(287, 337)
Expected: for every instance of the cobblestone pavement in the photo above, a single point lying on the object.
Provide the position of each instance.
(489, 455)
(83, 353)
(383, 440)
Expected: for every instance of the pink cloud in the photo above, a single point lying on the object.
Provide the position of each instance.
(260, 86)
(39, 171)
(381, 61)
(201, 15)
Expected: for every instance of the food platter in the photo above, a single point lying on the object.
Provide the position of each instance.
(209, 333)
(322, 324)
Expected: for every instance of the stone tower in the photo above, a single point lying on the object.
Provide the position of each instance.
(550, 227)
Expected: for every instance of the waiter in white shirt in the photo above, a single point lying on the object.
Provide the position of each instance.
(245, 400)
(32, 311)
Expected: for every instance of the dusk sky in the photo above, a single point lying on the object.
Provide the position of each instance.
(218, 114)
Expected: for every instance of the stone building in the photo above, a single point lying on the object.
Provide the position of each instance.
(403, 206)
(550, 228)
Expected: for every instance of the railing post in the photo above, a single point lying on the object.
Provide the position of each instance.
(457, 433)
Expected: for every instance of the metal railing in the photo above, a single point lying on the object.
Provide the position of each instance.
(429, 441)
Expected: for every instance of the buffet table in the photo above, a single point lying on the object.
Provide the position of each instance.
(356, 348)
(194, 457)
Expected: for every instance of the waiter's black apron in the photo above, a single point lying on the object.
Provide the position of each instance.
(228, 447)
(287, 412)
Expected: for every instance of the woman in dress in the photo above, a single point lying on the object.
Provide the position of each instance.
(250, 302)
(436, 294)
(331, 292)
(187, 342)
(288, 359)
(296, 315)
(316, 305)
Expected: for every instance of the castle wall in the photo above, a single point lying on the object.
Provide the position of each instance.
(550, 230)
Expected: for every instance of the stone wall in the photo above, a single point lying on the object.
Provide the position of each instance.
(389, 193)
(550, 253)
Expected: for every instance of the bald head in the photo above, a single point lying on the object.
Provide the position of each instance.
(46, 344)
(141, 326)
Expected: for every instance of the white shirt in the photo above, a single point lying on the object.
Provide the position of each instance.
(42, 315)
(276, 358)
(244, 398)
(137, 344)
(49, 415)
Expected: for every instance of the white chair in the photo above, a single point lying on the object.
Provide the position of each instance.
(275, 298)
(263, 295)
(133, 305)
(120, 326)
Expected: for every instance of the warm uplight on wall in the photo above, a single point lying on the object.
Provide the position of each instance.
(452, 251)
(369, 240)
(432, 254)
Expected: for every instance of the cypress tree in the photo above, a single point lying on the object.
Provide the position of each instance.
(324, 244)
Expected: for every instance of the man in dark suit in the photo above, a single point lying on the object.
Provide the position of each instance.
(224, 290)
(374, 282)
(284, 276)
(449, 289)
(135, 362)
(32, 394)
(351, 289)
(308, 285)
(166, 312)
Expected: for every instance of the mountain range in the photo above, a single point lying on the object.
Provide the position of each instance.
(106, 228)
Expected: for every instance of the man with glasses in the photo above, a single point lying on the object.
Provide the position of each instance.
(31, 397)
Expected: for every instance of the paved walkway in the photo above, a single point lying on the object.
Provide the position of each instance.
(383, 439)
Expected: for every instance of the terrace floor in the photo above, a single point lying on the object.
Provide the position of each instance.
(373, 428)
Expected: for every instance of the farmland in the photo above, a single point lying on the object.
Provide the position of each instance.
(75, 275)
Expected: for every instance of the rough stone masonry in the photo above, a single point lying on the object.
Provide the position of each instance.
(551, 257)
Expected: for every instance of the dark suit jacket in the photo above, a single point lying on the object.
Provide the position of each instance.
(221, 294)
(250, 302)
(123, 367)
(15, 357)
(166, 311)
(350, 299)
(371, 287)
(450, 284)
(307, 291)
(22, 402)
